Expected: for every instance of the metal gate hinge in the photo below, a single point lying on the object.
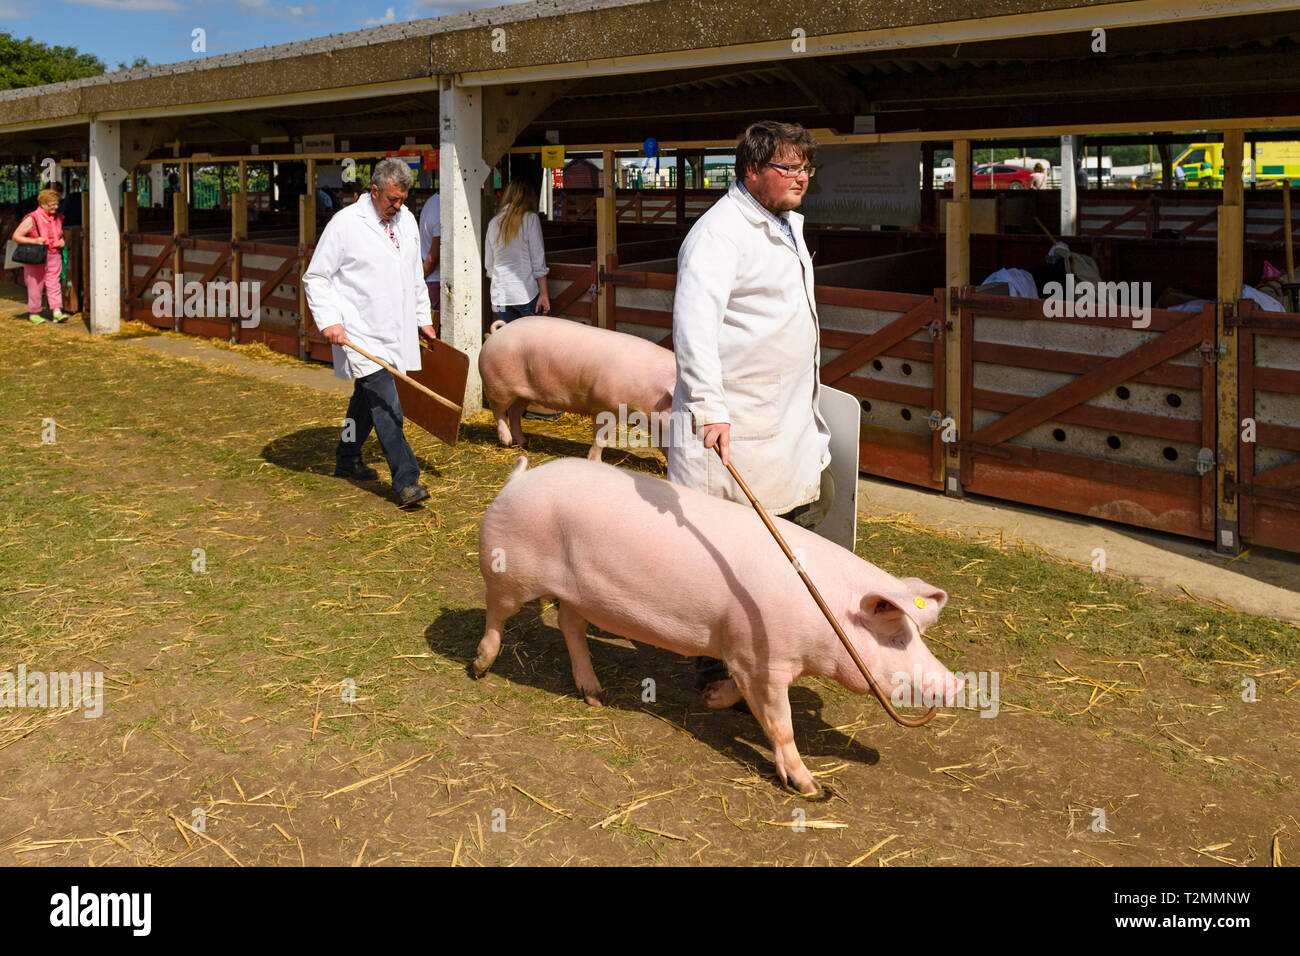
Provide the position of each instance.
(1210, 352)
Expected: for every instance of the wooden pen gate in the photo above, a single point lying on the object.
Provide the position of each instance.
(283, 323)
(1091, 415)
(887, 348)
(1269, 439)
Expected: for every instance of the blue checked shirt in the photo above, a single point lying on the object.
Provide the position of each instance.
(783, 221)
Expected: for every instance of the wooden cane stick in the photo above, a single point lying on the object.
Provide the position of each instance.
(405, 378)
(816, 596)
(1045, 229)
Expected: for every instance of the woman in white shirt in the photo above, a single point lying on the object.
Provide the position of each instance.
(514, 257)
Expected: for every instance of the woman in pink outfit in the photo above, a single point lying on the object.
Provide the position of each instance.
(44, 226)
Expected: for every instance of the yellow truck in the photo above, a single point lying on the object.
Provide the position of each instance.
(1202, 165)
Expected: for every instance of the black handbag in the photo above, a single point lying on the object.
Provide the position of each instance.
(30, 254)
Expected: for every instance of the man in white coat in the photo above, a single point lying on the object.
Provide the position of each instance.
(365, 284)
(746, 339)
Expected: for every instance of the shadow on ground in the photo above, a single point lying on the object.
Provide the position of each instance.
(533, 654)
(312, 450)
(541, 445)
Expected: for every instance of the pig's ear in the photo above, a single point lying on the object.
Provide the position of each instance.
(920, 601)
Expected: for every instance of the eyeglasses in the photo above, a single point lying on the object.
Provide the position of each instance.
(792, 172)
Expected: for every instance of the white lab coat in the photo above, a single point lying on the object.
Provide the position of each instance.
(746, 340)
(359, 278)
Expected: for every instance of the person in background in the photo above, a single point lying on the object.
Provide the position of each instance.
(70, 208)
(1180, 178)
(324, 205)
(365, 285)
(348, 193)
(1080, 174)
(1038, 178)
(173, 187)
(514, 257)
(431, 247)
(43, 227)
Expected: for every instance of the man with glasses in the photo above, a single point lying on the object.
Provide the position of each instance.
(746, 339)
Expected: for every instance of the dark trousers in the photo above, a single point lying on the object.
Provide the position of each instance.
(710, 669)
(374, 405)
(512, 312)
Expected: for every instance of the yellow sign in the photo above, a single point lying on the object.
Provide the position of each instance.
(552, 157)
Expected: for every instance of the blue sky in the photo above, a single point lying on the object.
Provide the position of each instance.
(162, 30)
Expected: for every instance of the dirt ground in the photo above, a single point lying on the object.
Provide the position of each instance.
(230, 733)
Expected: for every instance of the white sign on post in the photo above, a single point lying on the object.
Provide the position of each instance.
(869, 184)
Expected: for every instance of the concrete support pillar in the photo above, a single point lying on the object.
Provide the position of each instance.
(104, 178)
(157, 183)
(1069, 189)
(462, 172)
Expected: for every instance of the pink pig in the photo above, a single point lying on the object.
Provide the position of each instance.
(678, 569)
(573, 368)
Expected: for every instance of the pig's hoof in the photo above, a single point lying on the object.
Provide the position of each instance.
(593, 698)
(721, 694)
(482, 663)
(816, 793)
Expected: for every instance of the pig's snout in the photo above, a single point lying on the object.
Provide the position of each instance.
(923, 681)
(925, 688)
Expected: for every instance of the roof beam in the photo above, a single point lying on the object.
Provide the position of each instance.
(829, 91)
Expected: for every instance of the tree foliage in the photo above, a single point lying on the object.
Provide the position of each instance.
(28, 63)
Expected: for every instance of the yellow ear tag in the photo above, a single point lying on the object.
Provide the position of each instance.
(919, 602)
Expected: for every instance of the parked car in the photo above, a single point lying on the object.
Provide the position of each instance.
(1000, 176)
(997, 176)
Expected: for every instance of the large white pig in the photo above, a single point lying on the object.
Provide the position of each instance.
(673, 567)
(571, 367)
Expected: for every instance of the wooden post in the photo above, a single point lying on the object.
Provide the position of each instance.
(606, 239)
(1231, 247)
(958, 277)
(309, 223)
(130, 224)
(928, 219)
(180, 227)
(238, 233)
(181, 204)
(239, 206)
(130, 205)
